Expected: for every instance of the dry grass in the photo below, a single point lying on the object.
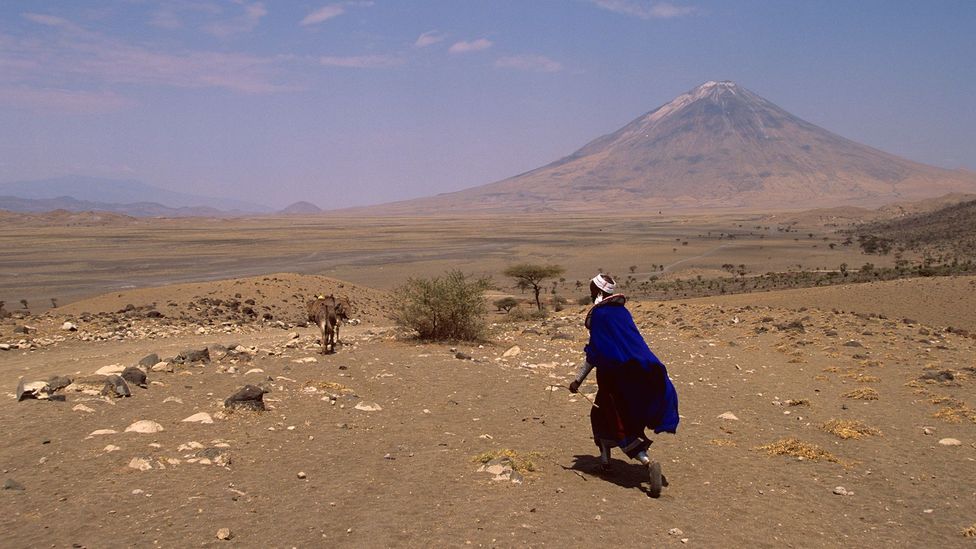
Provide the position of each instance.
(865, 393)
(798, 402)
(868, 379)
(796, 448)
(849, 428)
(955, 414)
(969, 532)
(521, 463)
(722, 442)
(332, 386)
(831, 369)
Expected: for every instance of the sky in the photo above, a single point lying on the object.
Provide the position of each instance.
(364, 102)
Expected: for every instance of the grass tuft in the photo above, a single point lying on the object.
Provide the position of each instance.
(796, 448)
(520, 463)
(849, 428)
(865, 393)
(722, 442)
(969, 532)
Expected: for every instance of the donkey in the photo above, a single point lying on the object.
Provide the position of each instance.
(327, 312)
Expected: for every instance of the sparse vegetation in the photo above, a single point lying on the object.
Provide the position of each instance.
(865, 393)
(505, 304)
(450, 307)
(849, 428)
(521, 463)
(531, 276)
(796, 448)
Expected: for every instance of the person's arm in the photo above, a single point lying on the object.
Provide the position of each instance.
(584, 370)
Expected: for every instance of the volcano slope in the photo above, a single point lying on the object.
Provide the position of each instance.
(378, 445)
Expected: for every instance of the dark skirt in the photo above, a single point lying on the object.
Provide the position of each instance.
(613, 421)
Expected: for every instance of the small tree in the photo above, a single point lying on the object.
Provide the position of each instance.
(528, 275)
(505, 304)
(24, 303)
(439, 308)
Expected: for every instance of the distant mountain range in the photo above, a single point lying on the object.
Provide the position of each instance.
(131, 197)
(717, 146)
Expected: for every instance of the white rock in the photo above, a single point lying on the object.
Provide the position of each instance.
(675, 532)
(950, 442)
(514, 350)
(162, 366)
(111, 448)
(69, 326)
(4, 346)
(201, 417)
(172, 399)
(82, 408)
(99, 432)
(301, 474)
(368, 407)
(109, 370)
(145, 426)
(254, 371)
(841, 491)
(192, 445)
(729, 416)
(224, 534)
(141, 464)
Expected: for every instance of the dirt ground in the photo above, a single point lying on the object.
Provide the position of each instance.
(313, 471)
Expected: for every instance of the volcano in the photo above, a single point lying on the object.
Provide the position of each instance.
(716, 146)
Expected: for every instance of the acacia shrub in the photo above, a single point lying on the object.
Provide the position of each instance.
(448, 307)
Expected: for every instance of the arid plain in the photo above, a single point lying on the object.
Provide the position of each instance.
(866, 388)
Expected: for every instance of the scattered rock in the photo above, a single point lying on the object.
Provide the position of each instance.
(32, 390)
(149, 360)
(111, 448)
(729, 416)
(115, 387)
(853, 343)
(99, 432)
(83, 408)
(368, 407)
(135, 376)
(249, 397)
(109, 370)
(146, 426)
(11, 484)
(139, 463)
(841, 491)
(162, 367)
(563, 335)
(928, 431)
(191, 355)
(462, 356)
(502, 469)
(675, 532)
(69, 326)
(4, 346)
(224, 534)
(950, 442)
(302, 475)
(202, 417)
(58, 383)
(514, 350)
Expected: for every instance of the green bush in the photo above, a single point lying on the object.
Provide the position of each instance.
(505, 304)
(451, 307)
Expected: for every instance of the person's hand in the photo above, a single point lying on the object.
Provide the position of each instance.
(574, 386)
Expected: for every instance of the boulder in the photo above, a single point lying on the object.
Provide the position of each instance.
(149, 360)
(191, 355)
(69, 326)
(249, 397)
(145, 426)
(134, 376)
(33, 389)
(115, 387)
(58, 383)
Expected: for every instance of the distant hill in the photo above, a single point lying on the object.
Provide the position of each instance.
(136, 209)
(949, 232)
(717, 146)
(301, 208)
(117, 191)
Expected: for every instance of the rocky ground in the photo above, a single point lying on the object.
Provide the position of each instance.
(802, 425)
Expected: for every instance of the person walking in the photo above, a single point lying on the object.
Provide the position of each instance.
(634, 391)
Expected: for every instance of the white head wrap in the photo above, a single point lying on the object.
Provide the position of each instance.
(604, 285)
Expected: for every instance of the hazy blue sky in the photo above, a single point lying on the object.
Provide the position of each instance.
(346, 103)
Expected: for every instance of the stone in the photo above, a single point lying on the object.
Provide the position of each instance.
(224, 534)
(217, 351)
(368, 407)
(4, 346)
(11, 484)
(145, 426)
(83, 408)
(134, 376)
(729, 416)
(462, 356)
(149, 360)
(841, 491)
(950, 442)
(111, 448)
(58, 383)
(191, 355)
(249, 397)
(99, 432)
(69, 326)
(109, 370)
(502, 469)
(514, 350)
(139, 463)
(928, 431)
(675, 532)
(563, 335)
(201, 417)
(162, 367)
(116, 387)
(32, 390)
(853, 343)
(302, 475)
(177, 400)
(254, 371)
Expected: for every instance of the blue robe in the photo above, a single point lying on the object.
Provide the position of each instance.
(635, 391)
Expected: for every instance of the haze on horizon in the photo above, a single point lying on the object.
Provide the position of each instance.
(362, 102)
